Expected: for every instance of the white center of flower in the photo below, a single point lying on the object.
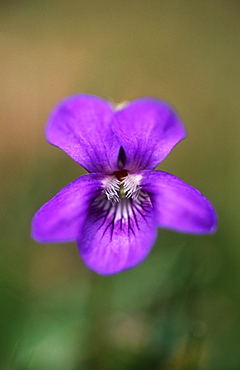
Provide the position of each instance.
(127, 187)
(123, 204)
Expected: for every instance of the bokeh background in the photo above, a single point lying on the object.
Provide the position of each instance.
(180, 309)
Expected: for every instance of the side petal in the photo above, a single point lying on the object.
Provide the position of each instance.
(147, 129)
(117, 236)
(179, 206)
(81, 126)
(62, 218)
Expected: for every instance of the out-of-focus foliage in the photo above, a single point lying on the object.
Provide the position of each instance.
(178, 310)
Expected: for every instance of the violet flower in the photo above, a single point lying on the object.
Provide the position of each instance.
(114, 211)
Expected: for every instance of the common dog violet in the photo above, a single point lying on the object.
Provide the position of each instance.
(114, 211)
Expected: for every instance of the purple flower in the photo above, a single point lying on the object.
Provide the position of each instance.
(114, 211)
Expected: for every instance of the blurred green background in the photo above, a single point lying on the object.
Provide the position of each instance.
(180, 309)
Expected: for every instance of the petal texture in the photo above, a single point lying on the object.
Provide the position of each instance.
(179, 206)
(147, 129)
(81, 126)
(117, 236)
(62, 218)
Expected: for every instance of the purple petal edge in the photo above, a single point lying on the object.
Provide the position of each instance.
(179, 206)
(147, 129)
(62, 218)
(81, 126)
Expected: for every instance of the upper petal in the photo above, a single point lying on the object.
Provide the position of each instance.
(61, 219)
(179, 206)
(117, 236)
(81, 126)
(147, 129)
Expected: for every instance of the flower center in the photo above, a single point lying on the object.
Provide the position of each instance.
(120, 175)
(122, 185)
(122, 204)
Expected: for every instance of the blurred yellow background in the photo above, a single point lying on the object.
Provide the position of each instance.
(179, 310)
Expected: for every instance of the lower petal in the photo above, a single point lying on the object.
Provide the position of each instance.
(62, 218)
(179, 206)
(117, 236)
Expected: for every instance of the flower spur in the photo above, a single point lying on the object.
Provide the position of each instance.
(114, 211)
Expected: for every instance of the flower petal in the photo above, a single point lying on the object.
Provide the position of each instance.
(81, 126)
(147, 129)
(117, 236)
(178, 206)
(62, 218)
